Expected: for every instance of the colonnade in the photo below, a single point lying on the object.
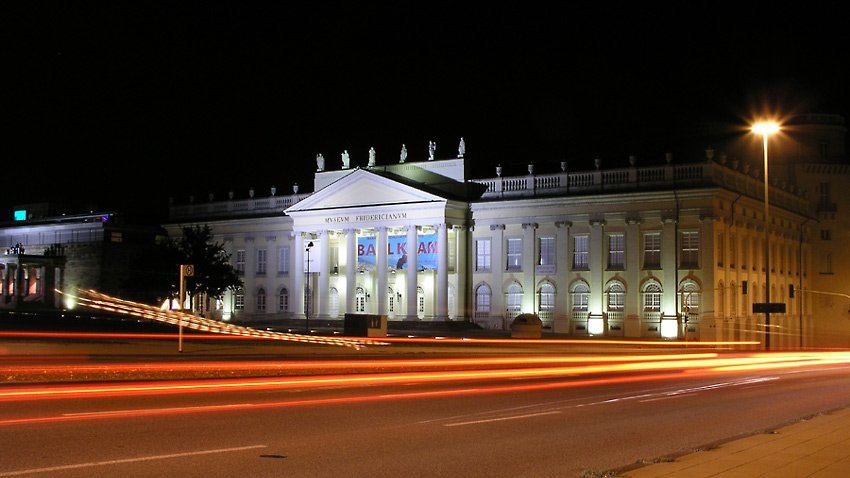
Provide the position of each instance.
(321, 275)
(30, 276)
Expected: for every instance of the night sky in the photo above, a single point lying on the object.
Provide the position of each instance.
(125, 103)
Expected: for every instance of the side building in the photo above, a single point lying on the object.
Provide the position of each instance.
(673, 250)
(99, 251)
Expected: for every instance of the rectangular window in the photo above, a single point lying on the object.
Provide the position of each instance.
(824, 194)
(482, 255)
(616, 251)
(754, 248)
(733, 250)
(514, 254)
(827, 263)
(826, 234)
(581, 252)
(240, 261)
(690, 250)
(261, 261)
(546, 252)
(720, 249)
(652, 250)
(283, 260)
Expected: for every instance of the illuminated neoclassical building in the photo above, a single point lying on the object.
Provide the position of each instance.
(671, 250)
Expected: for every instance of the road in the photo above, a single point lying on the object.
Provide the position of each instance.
(541, 415)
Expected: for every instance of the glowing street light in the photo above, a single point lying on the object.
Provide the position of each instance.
(766, 129)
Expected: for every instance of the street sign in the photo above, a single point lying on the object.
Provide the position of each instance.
(769, 308)
(188, 270)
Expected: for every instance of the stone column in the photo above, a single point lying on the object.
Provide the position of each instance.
(529, 266)
(6, 278)
(669, 264)
(632, 322)
(562, 261)
(350, 269)
(596, 264)
(462, 255)
(250, 287)
(442, 272)
(706, 329)
(322, 292)
(497, 268)
(412, 269)
(297, 295)
(20, 283)
(381, 264)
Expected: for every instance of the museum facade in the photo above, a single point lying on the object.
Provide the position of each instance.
(668, 251)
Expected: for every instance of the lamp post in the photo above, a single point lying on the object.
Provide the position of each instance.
(307, 294)
(765, 130)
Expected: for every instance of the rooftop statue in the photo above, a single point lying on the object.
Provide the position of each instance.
(461, 148)
(432, 147)
(320, 162)
(403, 157)
(345, 159)
(371, 158)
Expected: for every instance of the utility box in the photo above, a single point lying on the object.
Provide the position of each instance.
(526, 326)
(365, 325)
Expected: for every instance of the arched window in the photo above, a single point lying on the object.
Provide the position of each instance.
(261, 300)
(690, 299)
(482, 301)
(283, 300)
(580, 295)
(513, 301)
(333, 302)
(652, 296)
(546, 301)
(721, 298)
(733, 301)
(616, 297)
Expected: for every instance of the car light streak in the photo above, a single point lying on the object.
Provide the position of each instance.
(318, 367)
(265, 335)
(344, 400)
(684, 364)
(98, 301)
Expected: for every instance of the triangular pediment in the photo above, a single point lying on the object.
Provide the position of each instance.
(363, 188)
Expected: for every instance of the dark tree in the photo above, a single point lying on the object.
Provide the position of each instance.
(213, 273)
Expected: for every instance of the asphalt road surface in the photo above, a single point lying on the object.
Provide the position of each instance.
(576, 420)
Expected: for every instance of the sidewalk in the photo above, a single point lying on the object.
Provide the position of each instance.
(818, 448)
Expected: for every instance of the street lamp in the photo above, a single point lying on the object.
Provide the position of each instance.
(307, 294)
(765, 130)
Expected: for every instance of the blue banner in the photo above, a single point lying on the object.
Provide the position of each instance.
(397, 252)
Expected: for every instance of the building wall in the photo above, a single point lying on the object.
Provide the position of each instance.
(656, 263)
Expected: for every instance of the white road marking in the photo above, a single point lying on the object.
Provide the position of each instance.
(501, 419)
(128, 460)
(642, 397)
(668, 397)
